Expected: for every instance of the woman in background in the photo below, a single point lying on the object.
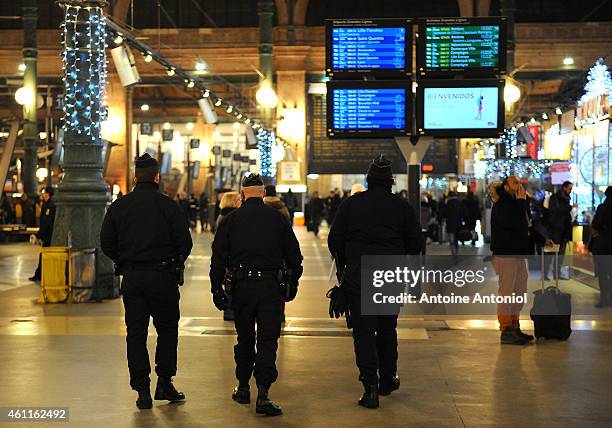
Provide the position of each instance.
(229, 202)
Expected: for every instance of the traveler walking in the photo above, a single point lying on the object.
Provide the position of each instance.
(560, 224)
(453, 215)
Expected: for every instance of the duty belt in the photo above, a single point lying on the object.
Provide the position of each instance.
(161, 265)
(256, 272)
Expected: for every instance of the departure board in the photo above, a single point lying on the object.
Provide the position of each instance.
(367, 108)
(464, 45)
(379, 47)
(368, 48)
(343, 155)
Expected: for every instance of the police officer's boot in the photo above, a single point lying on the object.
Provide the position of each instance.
(242, 393)
(144, 400)
(264, 405)
(388, 385)
(369, 398)
(166, 391)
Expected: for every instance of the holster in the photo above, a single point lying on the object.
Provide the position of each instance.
(284, 282)
(177, 266)
(229, 282)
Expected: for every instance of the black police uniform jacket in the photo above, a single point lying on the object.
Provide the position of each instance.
(374, 222)
(254, 236)
(47, 218)
(145, 226)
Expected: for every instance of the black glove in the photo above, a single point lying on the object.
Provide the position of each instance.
(220, 299)
(337, 302)
(292, 292)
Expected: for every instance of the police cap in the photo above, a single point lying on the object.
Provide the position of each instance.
(146, 161)
(252, 180)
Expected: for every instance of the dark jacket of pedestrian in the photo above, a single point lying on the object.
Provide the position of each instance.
(28, 211)
(602, 223)
(272, 200)
(333, 203)
(203, 208)
(560, 217)
(276, 203)
(47, 218)
(315, 207)
(6, 214)
(471, 211)
(511, 231)
(453, 214)
(291, 201)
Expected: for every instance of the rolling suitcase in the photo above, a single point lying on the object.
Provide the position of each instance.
(552, 309)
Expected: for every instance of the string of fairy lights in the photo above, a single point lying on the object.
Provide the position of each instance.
(511, 163)
(119, 36)
(85, 72)
(265, 141)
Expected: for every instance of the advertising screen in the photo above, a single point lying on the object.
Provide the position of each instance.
(368, 109)
(373, 47)
(461, 108)
(462, 45)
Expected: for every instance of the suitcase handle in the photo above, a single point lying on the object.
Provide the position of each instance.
(552, 249)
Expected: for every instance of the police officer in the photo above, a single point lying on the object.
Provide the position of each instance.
(45, 231)
(374, 222)
(253, 243)
(147, 237)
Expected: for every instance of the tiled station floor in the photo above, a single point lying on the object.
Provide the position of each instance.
(454, 371)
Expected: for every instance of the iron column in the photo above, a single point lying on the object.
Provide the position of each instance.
(30, 128)
(83, 194)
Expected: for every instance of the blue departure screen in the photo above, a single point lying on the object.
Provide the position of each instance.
(365, 48)
(373, 108)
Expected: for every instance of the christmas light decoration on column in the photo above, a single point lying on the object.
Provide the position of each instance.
(265, 141)
(513, 164)
(84, 64)
(83, 195)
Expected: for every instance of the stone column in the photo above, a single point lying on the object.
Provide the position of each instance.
(83, 194)
(291, 127)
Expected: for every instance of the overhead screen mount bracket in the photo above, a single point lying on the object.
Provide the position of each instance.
(413, 152)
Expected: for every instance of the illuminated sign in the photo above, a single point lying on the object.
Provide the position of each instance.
(462, 45)
(373, 47)
(368, 109)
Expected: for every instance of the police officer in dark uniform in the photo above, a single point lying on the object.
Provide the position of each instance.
(374, 222)
(45, 231)
(256, 246)
(147, 237)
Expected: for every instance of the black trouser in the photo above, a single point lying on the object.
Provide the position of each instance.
(257, 301)
(150, 293)
(375, 339)
(604, 275)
